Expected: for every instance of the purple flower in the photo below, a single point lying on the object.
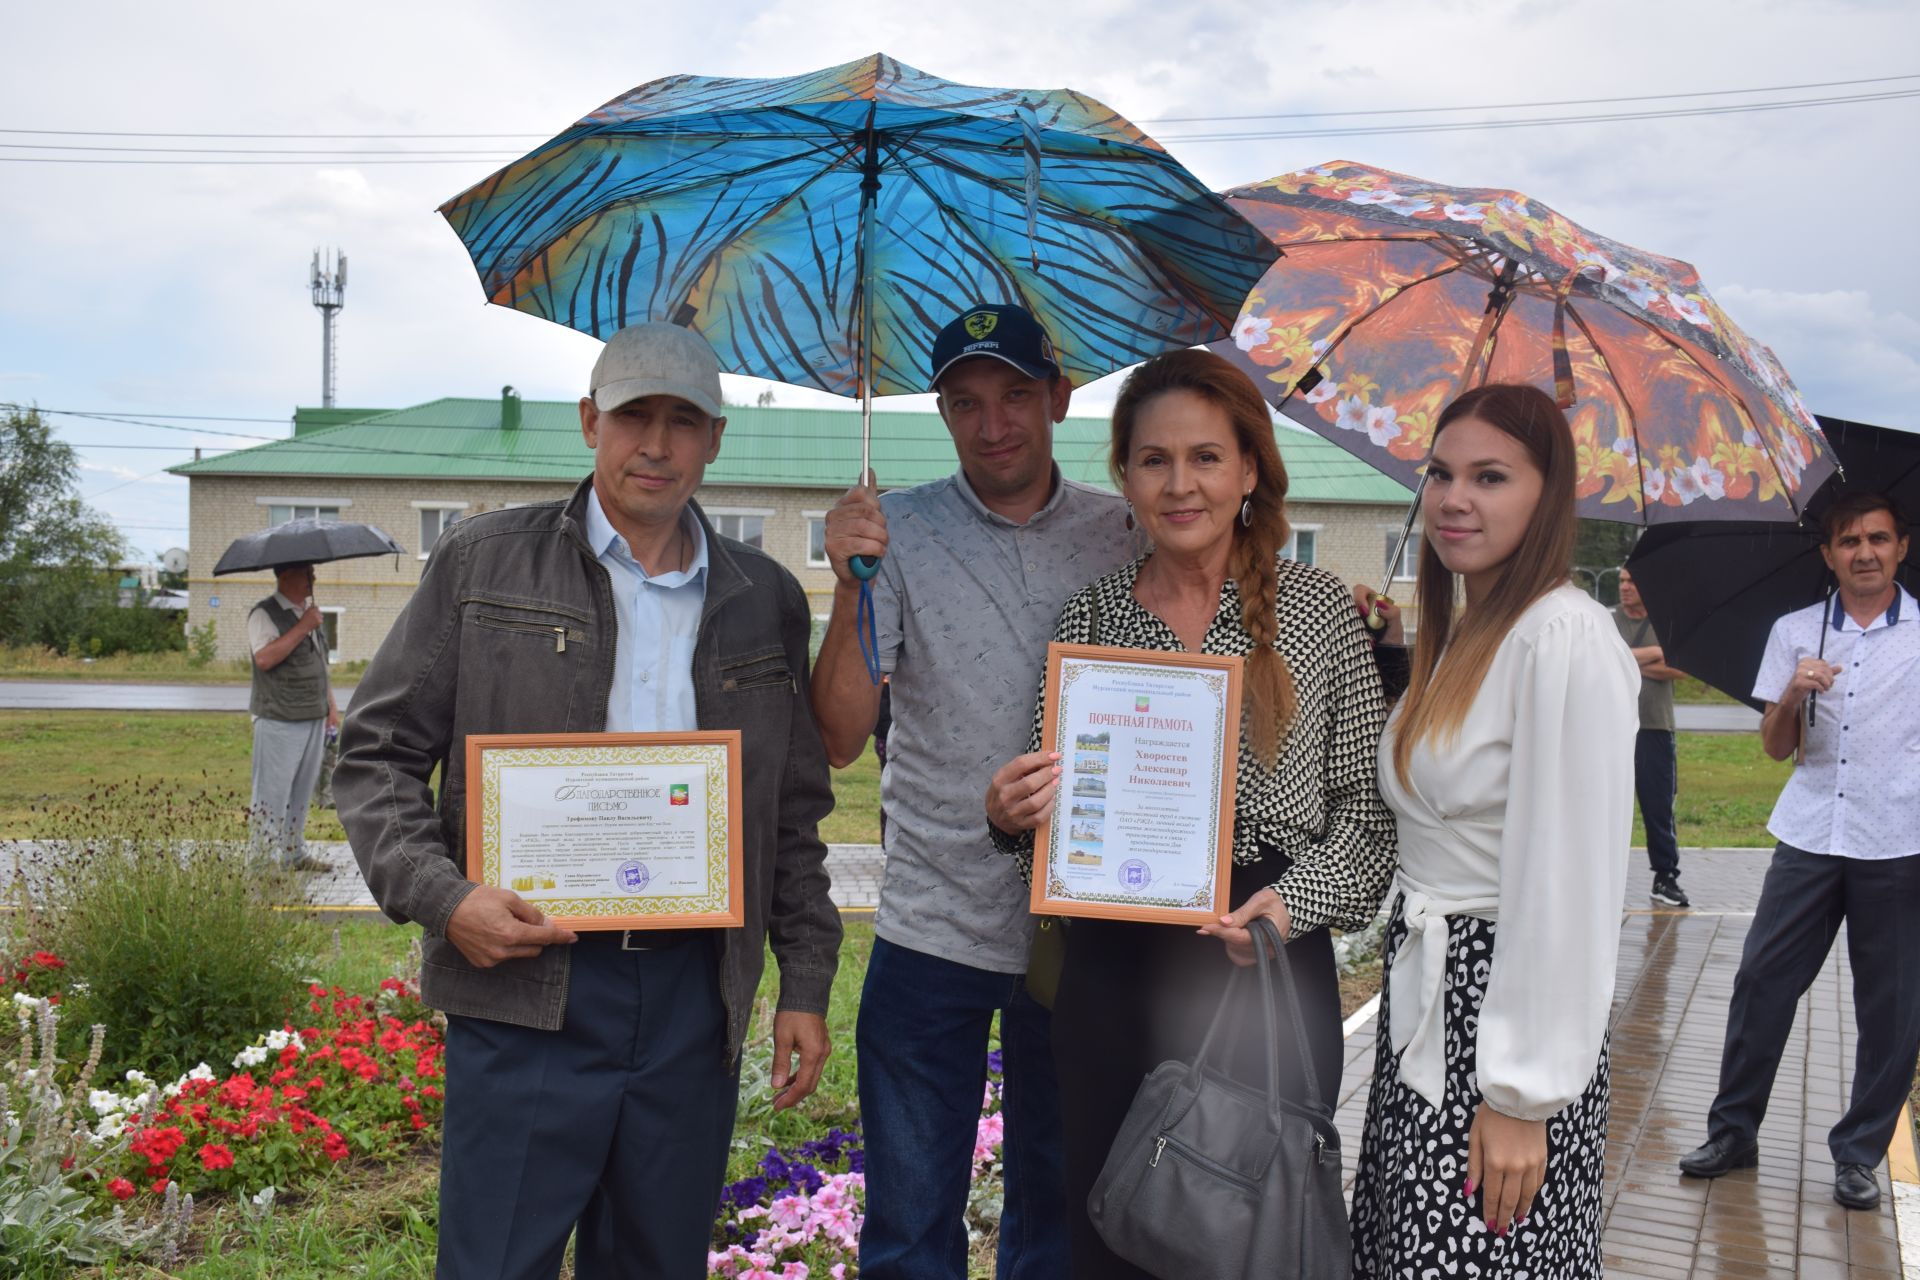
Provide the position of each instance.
(774, 1165)
(995, 1062)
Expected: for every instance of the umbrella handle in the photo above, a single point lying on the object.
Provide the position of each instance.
(864, 567)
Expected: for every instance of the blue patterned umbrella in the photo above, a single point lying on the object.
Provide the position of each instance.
(819, 229)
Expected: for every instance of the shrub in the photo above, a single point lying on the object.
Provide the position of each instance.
(184, 938)
(203, 645)
(51, 1220)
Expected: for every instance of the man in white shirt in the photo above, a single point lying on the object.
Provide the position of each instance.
(293, 708)
(1848, 823)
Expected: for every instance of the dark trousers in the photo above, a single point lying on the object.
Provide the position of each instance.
(1656, 780)
(922, 1036)
(1135, 995)
(1805, 898)
(618, 1122)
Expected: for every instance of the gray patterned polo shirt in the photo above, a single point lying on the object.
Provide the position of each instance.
(964, 606)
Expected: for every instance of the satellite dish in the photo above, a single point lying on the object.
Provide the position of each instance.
(174, 559)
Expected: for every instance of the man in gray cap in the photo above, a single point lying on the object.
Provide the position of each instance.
(592, 1077)
(975, 568)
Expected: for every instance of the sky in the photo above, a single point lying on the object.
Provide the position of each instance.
(149, 289)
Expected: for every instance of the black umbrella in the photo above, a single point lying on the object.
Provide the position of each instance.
(305, 542)
(1714, 589)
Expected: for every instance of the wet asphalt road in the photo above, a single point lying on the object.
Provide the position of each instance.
(88, 695)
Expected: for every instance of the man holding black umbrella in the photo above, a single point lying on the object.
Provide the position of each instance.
(1848, 825)
(293, 709)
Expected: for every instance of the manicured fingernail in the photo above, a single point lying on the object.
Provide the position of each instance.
(1501, 1233)
(1467, 1190)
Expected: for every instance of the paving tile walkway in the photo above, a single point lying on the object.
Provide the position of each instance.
(1669, 1017)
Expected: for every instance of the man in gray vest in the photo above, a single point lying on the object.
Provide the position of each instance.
(293, 710)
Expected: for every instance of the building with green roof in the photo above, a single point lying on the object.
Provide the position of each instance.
(414, 471)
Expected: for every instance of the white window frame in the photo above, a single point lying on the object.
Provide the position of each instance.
(810, 516)
(765, 513)
(435, 505)
(1391, 532)
(1293, 541)
(270, 501)
(338, 613)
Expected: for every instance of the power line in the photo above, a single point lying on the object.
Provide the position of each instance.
(1517, 106)
(276, 156)
(1470, 126)
(1279, 115)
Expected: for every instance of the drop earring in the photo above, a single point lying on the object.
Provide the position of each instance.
(1129, 515)
(1246, 510)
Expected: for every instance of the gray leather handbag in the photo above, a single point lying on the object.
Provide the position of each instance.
(1210, 1179)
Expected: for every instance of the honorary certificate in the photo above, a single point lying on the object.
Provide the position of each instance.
(609, 830)
(1143, 826)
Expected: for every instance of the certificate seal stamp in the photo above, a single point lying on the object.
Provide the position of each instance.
(1134, 876)
(632, 876)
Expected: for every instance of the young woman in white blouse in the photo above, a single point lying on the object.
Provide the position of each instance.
(1509, 768)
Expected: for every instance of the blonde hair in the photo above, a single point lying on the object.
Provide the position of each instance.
(1440, 694)
(1271, 702)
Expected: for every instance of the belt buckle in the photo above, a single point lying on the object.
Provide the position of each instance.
(626, 940)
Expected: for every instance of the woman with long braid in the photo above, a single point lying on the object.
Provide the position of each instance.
(1313, 845)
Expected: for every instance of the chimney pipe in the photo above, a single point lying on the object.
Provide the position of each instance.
(509, 409)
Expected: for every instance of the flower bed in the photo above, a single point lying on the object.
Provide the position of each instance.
(798, 1215)
(361, 1077)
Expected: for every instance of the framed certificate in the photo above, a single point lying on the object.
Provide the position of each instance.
(610, 830)
(1142, 828)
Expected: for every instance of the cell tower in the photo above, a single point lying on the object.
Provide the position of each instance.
(329, 295)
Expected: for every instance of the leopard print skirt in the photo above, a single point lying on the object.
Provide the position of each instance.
(1410, 1220)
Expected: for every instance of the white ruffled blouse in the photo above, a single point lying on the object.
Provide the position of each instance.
(1526, 819)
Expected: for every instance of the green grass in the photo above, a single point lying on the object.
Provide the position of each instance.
(47, 757)
(26, 662)
(1689, 690)
(856, 810)
(1727, 789)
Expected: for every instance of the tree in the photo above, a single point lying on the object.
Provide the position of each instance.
(53, 547)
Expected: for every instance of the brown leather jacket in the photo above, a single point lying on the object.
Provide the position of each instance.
(476, 651)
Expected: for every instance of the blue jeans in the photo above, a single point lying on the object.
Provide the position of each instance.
(1656, 780)
(922, 1038)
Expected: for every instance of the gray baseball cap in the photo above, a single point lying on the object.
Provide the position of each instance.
(657, 359)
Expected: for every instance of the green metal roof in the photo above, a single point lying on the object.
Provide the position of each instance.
(315, 419)
(456, 438)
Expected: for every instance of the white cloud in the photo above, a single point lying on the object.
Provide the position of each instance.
(1849, 358)
(180, 288)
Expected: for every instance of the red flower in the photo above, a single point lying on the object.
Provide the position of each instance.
(335, 1146)
(160, 1187)
(120, 1189)
(47, 960)
(214, 1156)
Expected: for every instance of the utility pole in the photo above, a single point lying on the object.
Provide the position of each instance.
(329, 295)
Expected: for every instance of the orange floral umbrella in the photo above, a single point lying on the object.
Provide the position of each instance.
(1394, 294)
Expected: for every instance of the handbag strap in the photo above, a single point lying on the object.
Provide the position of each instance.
(1270, 955)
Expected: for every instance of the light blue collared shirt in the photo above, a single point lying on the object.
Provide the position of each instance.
(659, 620)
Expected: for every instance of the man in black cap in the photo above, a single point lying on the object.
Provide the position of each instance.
(974, 569)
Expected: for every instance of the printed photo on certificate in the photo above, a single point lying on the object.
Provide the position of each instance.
(1142, 828)
(610, 830)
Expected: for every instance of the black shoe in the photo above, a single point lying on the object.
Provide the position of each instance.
(1854, 1186)
(1667, 889)
(1720, 1155)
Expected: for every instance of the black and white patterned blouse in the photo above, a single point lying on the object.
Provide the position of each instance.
(1318, 804)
